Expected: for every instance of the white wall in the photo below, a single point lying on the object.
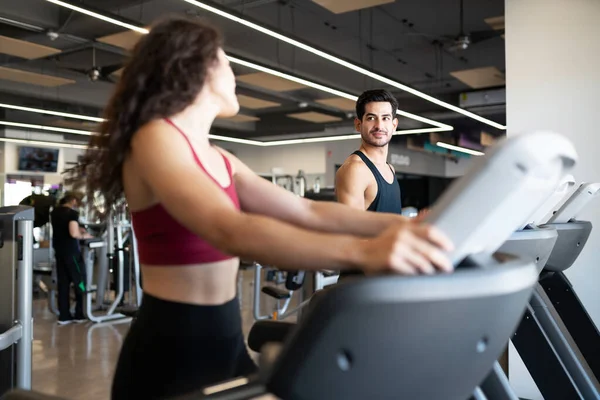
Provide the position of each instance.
(552, 59)
(289, 159)
(309, 157)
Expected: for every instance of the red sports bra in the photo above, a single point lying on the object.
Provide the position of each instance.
(164, 241)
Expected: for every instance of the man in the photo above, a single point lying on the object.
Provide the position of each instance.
(366, 181)
(70, 267)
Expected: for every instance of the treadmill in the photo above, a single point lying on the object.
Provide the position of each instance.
(433, 337)
(556, 339)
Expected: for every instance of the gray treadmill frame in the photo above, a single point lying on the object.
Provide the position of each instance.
(542, 339)
(16, 289)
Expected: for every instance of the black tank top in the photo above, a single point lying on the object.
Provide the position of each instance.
(388, 194)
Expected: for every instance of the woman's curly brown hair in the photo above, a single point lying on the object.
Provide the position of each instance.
(164, 75)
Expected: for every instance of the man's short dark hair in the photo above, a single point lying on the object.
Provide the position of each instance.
(70, 196)
(372, 96)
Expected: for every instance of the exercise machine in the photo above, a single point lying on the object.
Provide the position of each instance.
(542, 214)
(16, 297)
(292, 281)
(391, 337)
(312, 338)
(557, 340)
(573, 235)
(93, 251)
(356, 335)
(103, 255)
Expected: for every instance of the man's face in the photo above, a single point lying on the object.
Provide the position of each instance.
(377, 125)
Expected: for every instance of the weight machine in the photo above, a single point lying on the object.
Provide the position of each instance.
(105, 254)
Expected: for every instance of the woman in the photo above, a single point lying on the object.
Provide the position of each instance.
(196, 208)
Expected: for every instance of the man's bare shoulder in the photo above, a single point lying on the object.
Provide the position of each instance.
(353, 170)
(353, 165)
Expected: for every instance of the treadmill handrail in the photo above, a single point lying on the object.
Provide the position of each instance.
(11, 336)
(585, 193)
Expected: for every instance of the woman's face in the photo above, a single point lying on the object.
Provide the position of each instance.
(221, 83)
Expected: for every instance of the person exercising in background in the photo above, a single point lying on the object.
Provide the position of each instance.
(366, 181)
(66, 234)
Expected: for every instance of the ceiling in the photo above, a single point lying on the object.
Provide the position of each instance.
(45, 51)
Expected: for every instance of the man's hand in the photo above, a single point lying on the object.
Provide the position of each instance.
(421, 215)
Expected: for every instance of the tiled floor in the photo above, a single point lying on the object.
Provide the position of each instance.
(77, 361)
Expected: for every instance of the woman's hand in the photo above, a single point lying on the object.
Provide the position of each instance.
(409, 248)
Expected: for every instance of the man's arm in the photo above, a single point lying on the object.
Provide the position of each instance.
(260, 196)
(76, 233)
(351, 184)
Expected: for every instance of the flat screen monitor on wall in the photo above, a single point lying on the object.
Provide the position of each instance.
(38, 159)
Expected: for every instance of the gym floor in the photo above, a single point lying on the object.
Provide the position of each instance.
(77, 361)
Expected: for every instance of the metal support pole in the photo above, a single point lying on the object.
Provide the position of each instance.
(136, 267)
(25, 302)
(257, 282)
(119, 294)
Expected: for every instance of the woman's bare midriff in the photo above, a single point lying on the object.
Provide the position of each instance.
(201, 284)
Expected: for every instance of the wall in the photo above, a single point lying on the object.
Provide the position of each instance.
(289, 159)
(552, 58)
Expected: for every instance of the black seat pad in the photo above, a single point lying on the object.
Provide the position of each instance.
(276, 292)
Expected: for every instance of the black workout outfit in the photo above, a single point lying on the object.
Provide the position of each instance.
(387, 200)
(70, 268)
(175, 348)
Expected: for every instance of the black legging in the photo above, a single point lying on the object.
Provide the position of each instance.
(175, 348)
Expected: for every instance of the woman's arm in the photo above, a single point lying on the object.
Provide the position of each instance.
(165, 163)
(259, 196)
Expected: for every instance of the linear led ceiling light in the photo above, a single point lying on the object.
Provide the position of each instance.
(458, 148)
(46, 128)
(343, 63)
(335, 92)
(341, 137)
(439, 126)
(100, 16)
(50, 112)
(41, 143)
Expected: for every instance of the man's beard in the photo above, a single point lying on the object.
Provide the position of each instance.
(371, 141)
